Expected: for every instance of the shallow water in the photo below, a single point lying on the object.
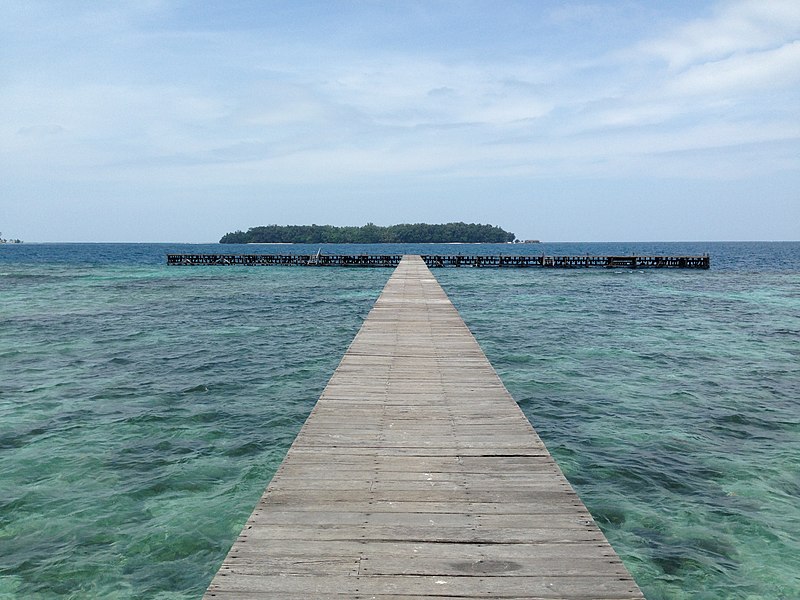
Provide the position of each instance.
(143, 409)
(670, 400)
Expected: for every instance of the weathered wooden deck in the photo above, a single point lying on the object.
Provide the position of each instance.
(417, 476)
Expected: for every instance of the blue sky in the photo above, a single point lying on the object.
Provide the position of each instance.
(176, 120)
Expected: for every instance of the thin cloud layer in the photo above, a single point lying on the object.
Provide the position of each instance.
(733, 28)
(275, 98)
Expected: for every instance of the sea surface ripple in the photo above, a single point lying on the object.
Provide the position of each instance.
(143, 409)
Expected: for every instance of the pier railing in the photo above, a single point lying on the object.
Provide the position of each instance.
(441, 260)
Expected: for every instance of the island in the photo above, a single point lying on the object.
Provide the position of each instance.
(406, 233)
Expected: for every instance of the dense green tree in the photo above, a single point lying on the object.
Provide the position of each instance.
(370, 234)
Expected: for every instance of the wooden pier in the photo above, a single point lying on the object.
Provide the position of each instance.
(437, 260)
(417, 476)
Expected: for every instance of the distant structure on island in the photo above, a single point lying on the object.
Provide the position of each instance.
(407, 233)
(5, 241)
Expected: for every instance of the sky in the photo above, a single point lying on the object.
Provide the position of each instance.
(620, 120)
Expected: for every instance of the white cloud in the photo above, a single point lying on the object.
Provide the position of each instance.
(735, 27)
(99, 124)
(409, 92)
(741, 65)
(753, 72)
(288, 117)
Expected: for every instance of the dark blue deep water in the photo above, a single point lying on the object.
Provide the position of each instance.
(143, 409)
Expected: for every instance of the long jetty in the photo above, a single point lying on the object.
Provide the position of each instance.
(417, 476)
(441, 260)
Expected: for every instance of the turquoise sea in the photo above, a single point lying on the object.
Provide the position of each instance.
(144, 408)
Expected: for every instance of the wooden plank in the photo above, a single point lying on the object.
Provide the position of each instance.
(275, 497)
(243, 580)
(553, 505)
(263, 534)
(256, 595)
(417, 475)
(423, 550)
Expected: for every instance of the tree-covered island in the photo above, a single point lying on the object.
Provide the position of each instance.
(407, 233)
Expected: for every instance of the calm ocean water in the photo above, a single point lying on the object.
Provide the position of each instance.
(143, 409)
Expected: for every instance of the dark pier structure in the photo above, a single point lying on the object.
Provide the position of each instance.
(437, 260)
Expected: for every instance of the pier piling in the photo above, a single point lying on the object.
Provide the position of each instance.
(438, 261)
